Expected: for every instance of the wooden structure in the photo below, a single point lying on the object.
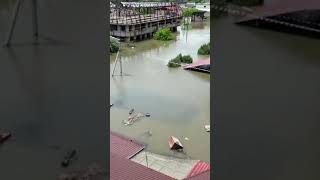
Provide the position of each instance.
(134, 21)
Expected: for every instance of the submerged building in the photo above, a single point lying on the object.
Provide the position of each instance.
(134, 21)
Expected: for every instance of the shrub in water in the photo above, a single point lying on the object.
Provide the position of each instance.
(176, 62)
(164, 35)
(114, 45)
(186, 59)
(204, 49)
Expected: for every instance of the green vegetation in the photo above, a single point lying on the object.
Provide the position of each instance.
(164, 35)
(176, 62)
(114, 45)
(204, 49)
(188, 12)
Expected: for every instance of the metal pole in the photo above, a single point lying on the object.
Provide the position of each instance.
(13, 22)
(120, 61)
(146, 159)
(35, 21)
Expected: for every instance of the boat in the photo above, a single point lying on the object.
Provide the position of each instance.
(4, 137)
(175, 143)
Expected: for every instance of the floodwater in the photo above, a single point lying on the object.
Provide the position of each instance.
(267, 98)
(178, 100)
(49, 101)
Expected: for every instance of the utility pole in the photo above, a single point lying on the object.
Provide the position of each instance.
(117, 59)
(14, 21)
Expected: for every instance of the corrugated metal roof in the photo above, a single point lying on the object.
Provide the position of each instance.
(198, 63)
(125, 169)
(203, 176)
(199, 168)
(123, 146)
(146, 4)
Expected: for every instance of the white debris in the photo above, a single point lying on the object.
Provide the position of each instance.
(207, 128)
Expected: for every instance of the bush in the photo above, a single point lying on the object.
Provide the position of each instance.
(164, 35)
(204, 49)
(188, 12)
(186, 59)
(114, 45)
(176, 62)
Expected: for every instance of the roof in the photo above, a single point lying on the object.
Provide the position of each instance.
(147, 4)
(202, 176)
(121, 169)
(288, 6)
(199, 168)
(201, 62)
(123, 146)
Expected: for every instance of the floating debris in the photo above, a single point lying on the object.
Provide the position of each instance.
(68, 158)
(4, 137)
(133, 118)
(174, 143)
(207, 128)
(187, 139)
(131, 111)
(148, 115)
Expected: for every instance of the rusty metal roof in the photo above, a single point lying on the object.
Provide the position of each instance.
(123, 146)
(122, 168)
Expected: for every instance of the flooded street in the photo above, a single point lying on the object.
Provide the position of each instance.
(178, 100)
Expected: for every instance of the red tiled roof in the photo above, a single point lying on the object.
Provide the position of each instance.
(123, 146)
(202, 176)
(125, 169)
(199, 168)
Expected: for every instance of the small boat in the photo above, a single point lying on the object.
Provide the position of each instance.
(174, 143)
(148, 115)
(207, 128)
(4, 137)
(68, 158)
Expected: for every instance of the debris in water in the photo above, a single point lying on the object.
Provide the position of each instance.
(207, 127)
(132, 118)
(186, 138)
(131, 111)
(68, 158)
(4, 137)
(148, 115)
(174, 143)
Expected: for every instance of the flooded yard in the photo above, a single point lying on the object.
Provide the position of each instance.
(178, 100)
